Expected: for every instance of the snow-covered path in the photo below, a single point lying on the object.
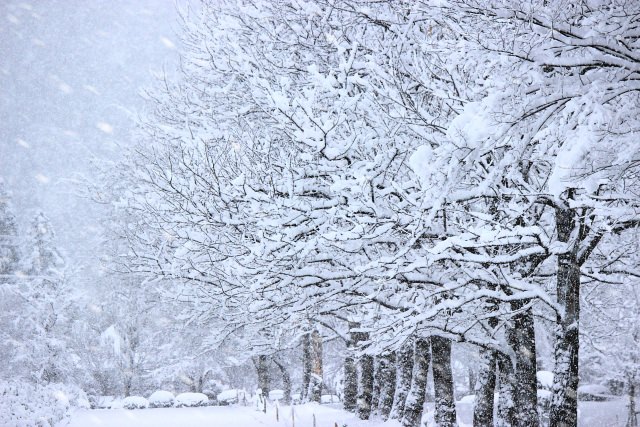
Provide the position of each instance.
(605, 414)
(171, 417)
(214, 416)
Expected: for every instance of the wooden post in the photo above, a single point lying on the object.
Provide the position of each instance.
(293, 418)
(277, 411)
(314, 420)
(264, 404)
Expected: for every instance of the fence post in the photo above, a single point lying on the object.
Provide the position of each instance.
(314, 420)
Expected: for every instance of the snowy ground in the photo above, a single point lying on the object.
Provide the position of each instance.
(600, 414)
(218, 416)
(590, 414)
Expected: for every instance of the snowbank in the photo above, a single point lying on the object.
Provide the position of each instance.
(23, 404)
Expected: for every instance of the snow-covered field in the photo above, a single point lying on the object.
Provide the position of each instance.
(218, 416)
(592, 414)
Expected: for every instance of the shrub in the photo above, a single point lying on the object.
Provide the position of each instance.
(135, 402)
(161, 399)
(24, 404)
(191, 400)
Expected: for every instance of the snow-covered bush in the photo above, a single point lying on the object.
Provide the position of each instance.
(23, 404)
(228, 397)
(276, 394)
(545, 380)
(116, 404)
(469, 399)
(593, 393)
(101, 402)
(135, 402)
(161, 399)
(329, 398)
(191, 399)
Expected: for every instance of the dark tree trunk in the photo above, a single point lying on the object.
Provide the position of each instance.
(351, 370)
(506, 410)
(262, 369)
(365, 386)
(350, 384)
(521, 338)
(445, 411)
(564, 405)
(632, 418)
(127, 387)
(315, 385)
(365, 380)
(485, 389)
(286, 382)
(404, 369)
(365, 389)
(412, 414)
(472, 378)
(387, 381)
(306, 366)
(375, 392)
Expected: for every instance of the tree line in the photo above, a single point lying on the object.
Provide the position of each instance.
(403, 176)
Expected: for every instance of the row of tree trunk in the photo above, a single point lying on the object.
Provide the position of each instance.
(394, 385)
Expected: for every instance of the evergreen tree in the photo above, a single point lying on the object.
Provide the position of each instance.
(43, 259)
(9, 249)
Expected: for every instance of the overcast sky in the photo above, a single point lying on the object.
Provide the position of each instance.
(71, 72)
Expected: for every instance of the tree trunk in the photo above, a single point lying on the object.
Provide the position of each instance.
(521, 338)
(365, 389)
(445, 411)
(375, 392)
(365, 380)
(506, 410)
(486, 380)
(286, 381)
(404, 369)
(472, 378)
(315, 385)
(387, 381)
(412, 414)
(351, 371)
(263, 375)
(306, 366)
(127, 387)
(632, 419)
(485, 389)
(564, 404)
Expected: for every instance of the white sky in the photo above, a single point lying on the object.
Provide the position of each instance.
(70, 76)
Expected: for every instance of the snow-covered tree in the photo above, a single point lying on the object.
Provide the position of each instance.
(9, 243)
(39, 331)
(432, 172)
